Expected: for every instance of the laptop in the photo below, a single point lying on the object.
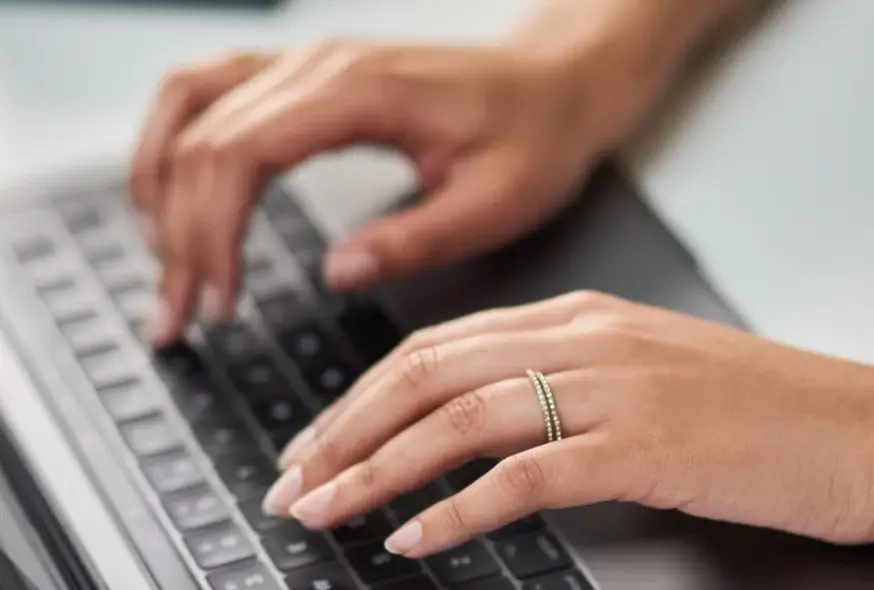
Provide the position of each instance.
(141, 469)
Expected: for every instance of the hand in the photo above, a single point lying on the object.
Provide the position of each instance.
(657, 408)
(501, 138)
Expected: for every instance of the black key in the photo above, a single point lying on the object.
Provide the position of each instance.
(369, 527)
(233, 343)
(195, 508)
(569, 580)
(32, 249)
(87, 334)
(228, 435)
(523, 525)
(249, 577)
(374, 564)
(369, 329)
(413, 503)
(172, 472)
(307, 345)
(247, 475)
(284, 311)
(259, 376)
(219, 546)
(178, 362)
(414, 583)
(532, 554)
(463, 564)
(493, 583)
(295, 547)
(281, 417)
(150, 436)
(128, 400)
(201, 400)
(328, 576)
(468, 473)
(331, 380)
(254, 515)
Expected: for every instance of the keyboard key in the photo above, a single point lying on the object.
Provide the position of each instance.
(150, 436)
(307, 344)
(249, 577)
(195, 508)
(219, 546)
(463, 564)
(329, 576)
(260, 377)
(368, 527)
(331, 380)
(107, 366)
(284, 311)
(493, 583)
(172, 472)
(201, 400)
(266, 284)
(221, 437)
(128, 400)
(413, 503)
(118, 274)
(178, 362)
(87, 334)
(67, 300)
(33, 248)
(233, 343)
(82, 219)
(532, 554)
(134, 302)
(247, 475)
(100, 249)
(569, 580)
(294, 547)
(469, 473)
(374, 564)
(523, 525)
(414, 583)
(282, 417)
(369, 329)
(277, 203)
(259, 521)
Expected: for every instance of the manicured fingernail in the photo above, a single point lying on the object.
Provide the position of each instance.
(158, 330)
(211, 307)
(298, 447)
(312, 509)
(148, 229)
(405, 538)
(284, 493)
(350, 268)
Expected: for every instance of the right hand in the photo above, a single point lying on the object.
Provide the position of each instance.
(501, 138)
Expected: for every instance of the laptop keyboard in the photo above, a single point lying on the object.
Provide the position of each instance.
(204, 419)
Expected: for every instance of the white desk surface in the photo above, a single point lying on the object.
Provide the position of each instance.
(759, 162)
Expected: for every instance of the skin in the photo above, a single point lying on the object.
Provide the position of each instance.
(657, 408)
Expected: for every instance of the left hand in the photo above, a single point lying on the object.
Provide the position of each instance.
(657, 408)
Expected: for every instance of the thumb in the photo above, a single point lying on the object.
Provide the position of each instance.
(471, 213)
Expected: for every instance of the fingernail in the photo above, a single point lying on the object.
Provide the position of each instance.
(313, 508)
(159, 325)
(405, 538)
(148, 229)
(284, 493)
(211, 308)
(298, 447)
(350, 268)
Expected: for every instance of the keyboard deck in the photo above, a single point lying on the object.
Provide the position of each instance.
(204, 420)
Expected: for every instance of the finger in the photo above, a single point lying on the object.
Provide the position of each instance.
(422, 383)
(497, 420)
(179, 254)
(470, 214)
(548, 313)
(573, 472)
(184, 93)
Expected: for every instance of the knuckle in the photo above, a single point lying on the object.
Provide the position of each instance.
(329, 450)
(420, 365)
(367, 474)
(521, 478)
(455, 520)
(466, 414)
(588, 300)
